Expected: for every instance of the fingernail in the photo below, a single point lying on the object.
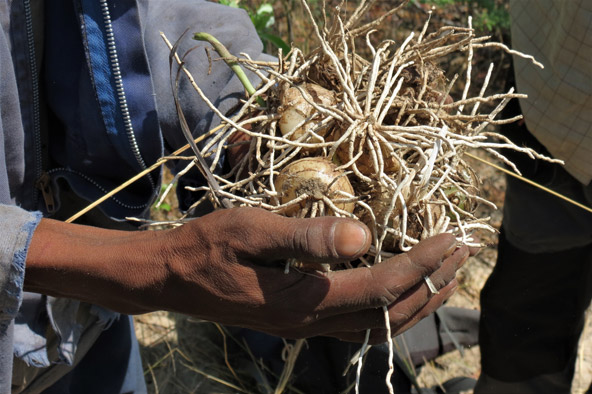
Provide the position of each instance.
(450, 288)
(474, 251)
(349, 238)
(450, 250)
(451, 291)
(464, 260)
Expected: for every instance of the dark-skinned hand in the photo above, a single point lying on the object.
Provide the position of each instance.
(228, 267)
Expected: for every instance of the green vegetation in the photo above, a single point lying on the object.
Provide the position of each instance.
(230, 61)
(279, 22)
(165, 207)
(488, 15)
(263, 18)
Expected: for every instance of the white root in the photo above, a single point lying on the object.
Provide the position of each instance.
(376, 122)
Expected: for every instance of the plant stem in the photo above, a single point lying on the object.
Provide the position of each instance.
(231, 61)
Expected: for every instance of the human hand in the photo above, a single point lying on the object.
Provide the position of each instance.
(228, 267)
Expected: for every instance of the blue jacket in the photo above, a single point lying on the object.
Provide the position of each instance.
(88, 82)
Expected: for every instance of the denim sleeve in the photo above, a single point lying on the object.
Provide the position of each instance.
(17, 229)
(16, 224)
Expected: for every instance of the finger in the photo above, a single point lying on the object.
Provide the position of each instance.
(266, 237)
(405, 307)
(379, 334)
(436, 301)
(474, 251)
(432, 249)
(316, 304)
(382, 284)
(318, 240)
(447, 272)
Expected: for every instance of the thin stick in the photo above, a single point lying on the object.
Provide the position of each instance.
(173, 182)
(212, 377)
(225, 345)
(360, 361)
(289, 367)
(532, 183)
(391, 367)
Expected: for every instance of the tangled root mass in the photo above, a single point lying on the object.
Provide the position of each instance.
(386, 124)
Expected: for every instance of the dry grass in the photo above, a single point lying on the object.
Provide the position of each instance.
(182, 355)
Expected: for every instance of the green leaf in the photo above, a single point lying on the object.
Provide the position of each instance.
(275, 40)
(230, 3)
(263, 18)
(165, 207)
(265, 9)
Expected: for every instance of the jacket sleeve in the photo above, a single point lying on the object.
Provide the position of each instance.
(17, 229)
(16, 224)
(230, 26)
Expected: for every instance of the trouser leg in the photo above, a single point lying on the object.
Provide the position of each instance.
(324, 364)
(532, 315)
(112, 365)
(533, 303)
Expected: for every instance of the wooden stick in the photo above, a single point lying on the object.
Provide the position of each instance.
(532, 183)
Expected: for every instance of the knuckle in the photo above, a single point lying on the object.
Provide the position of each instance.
(300, 237)
(439, 281)
(424, 269)
(310, 238)
(443, 277)
(398, 318)
(379, 292)
(406, 262)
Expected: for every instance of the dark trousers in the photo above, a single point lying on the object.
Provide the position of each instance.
(322, 364)
(534, 302)
(532, 315)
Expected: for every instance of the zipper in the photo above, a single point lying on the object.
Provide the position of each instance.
(43, 184)
(41, 179)
(120, 91)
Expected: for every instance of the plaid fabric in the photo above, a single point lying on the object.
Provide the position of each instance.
(558, 111)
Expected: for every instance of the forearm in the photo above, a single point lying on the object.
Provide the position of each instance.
(95, 265)
(228, 267)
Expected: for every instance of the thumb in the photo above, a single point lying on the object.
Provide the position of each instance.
(322, 240)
